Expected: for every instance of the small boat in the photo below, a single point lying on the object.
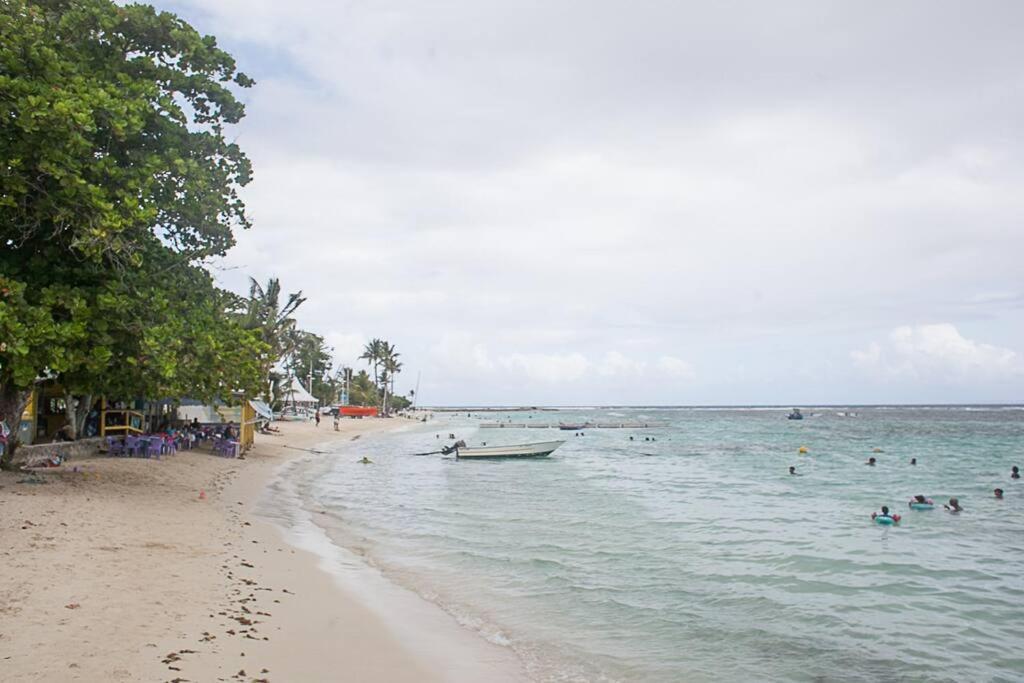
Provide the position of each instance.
(525, 450)
(795, 415)
(572, 428)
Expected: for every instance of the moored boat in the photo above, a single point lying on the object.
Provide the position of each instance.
(795, 415)
(526, 450)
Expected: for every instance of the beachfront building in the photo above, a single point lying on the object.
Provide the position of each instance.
(45, 416)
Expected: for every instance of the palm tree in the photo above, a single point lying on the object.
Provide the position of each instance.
(373, 354)
(265, 313)
(392, 366)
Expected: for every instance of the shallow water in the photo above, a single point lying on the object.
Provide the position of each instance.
(697, 556)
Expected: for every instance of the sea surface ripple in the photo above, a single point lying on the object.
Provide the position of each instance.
(696, 556)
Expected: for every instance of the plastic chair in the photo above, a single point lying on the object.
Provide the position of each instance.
(115, 447)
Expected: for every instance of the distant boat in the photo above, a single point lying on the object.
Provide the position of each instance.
(526, 450)
(795, 415)
(572, 428)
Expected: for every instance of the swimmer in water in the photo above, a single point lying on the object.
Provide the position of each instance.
(999, 494)
(913, 461)
(365, 460)
(871, 461)
(792, 470)
(883, 513)
(918, 499)
(954, 506)
(1015, 472)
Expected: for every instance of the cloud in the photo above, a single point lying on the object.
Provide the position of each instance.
(675, 367)
(616, 364)
(547, 367)
(937, 352)
(541, 201)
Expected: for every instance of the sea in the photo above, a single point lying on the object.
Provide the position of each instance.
(682, 549)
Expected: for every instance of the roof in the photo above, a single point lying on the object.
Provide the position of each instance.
(294, 391)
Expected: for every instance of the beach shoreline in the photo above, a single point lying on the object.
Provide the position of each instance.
(132, 569)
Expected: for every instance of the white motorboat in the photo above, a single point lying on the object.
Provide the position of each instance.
(525, 450)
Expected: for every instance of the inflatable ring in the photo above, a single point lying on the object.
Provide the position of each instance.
(929, 504)
(885, 520)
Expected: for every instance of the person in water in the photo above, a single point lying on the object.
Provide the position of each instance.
(883, 513)
(999, 494)
(918, 499)
(871, 461)
(792, 470)
(913, 461)
(953, 506)
(1014, 472)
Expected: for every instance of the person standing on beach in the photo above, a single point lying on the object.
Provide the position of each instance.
(337, 417)
(5, 434)
(317, 417)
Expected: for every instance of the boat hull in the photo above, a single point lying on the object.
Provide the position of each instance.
(529, 450)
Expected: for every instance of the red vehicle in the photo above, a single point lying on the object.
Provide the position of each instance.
(357, 411)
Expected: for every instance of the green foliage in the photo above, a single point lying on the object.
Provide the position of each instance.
(111, 130)
(310, 356)
(116, 180)
(272, 321)
(363, 390)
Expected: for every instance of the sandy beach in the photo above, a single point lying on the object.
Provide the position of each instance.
(146, 570)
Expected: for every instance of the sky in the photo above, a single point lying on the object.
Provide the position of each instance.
(587, 202)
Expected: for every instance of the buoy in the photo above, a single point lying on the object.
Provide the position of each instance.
(803, 449)
(202, 494)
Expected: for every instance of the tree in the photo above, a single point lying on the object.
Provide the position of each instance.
(373, 353)
(113, 130)
(310, 359)
(391, 367)
(363, 390)
(265, 313)
(116, 178)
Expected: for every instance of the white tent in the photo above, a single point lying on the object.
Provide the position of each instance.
(294, 394)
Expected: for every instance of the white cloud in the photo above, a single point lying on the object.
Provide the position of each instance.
(617, 364)
(547, 367)
(534, 206)
(937, 352)
(675, 367)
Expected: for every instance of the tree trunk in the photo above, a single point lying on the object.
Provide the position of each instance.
(12, 405)
(84, 408)
(70, 412)
(75, 414)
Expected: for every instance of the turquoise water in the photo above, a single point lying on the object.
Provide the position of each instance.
(697, 557)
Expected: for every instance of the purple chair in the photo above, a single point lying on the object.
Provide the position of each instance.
(115, 446)
(154, 447)
(133, 446)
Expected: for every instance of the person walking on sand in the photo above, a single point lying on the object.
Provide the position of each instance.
(337, 416)
(318, 418)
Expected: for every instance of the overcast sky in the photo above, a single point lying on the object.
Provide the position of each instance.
(591, 202)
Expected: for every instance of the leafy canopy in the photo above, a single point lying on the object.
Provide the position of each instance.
(112, 129)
